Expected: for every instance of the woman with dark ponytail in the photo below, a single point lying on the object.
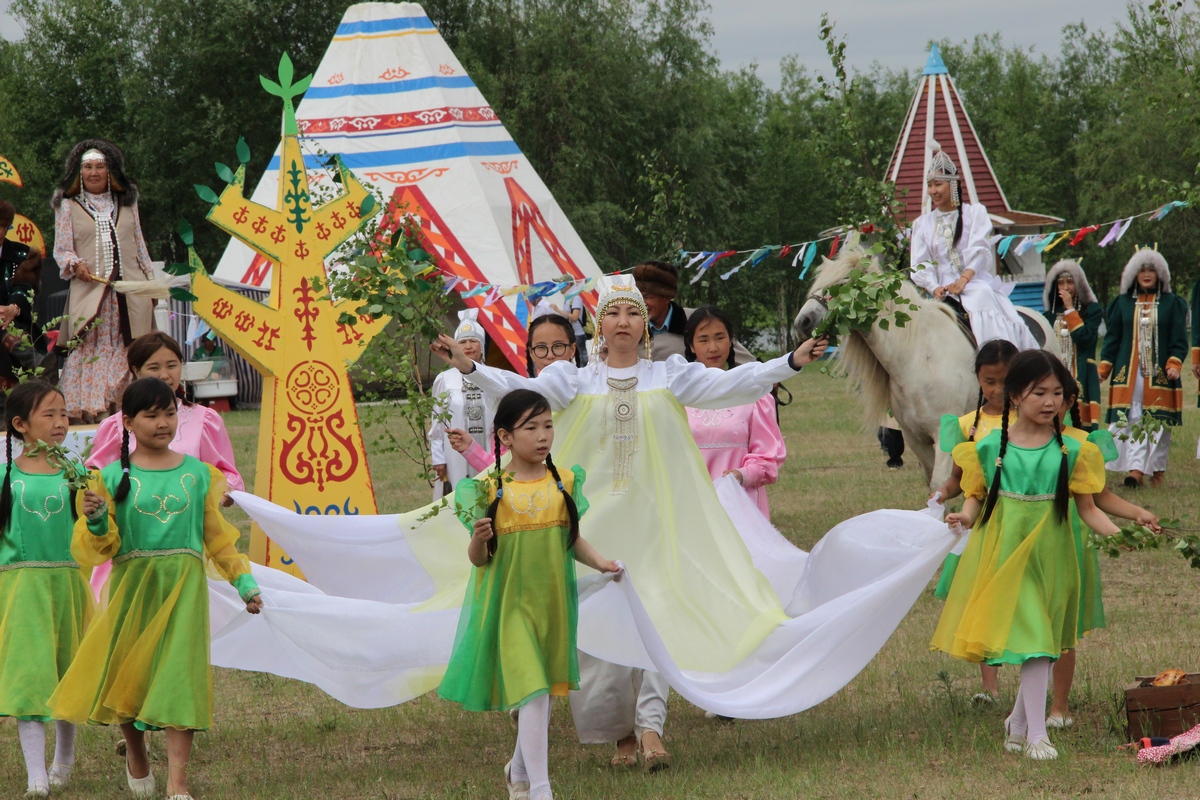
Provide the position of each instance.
(515, 645)
(144, 662)
(45, 604)
(1015, 598)
(952, 259)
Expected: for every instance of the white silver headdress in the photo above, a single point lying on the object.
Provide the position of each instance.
(93, 155)
(941, 168)
(618, 289)
(469, 327)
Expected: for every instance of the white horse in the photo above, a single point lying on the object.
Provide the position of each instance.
(920, 372)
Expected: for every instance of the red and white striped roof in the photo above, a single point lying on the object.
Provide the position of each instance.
(937, 114)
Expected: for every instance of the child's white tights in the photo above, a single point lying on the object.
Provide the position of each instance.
(531, 759)
(33, 745)
(1029, 712)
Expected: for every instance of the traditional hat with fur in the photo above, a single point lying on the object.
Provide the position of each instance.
(1083, 291)
(468, 326)
(1146, 257)
(657, 278)
(124, 190)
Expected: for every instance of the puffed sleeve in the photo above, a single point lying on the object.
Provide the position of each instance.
(767, 450)
(472, 496)
(1088, 476)
(95, 542)
(698, 386)
(217, 450)
(220, 541)
(950, 433)
(1112, 338)
(558, 383)
(1105, 443)
(925, 277)
(64, 241)
(581, 502)
(973, 483)
(976, 251)
(106, 444)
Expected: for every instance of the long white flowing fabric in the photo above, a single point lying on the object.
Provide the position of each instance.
(375, 624)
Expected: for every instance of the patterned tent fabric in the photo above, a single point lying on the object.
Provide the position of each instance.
(392, 100)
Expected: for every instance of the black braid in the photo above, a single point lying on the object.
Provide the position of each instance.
(572, 511)
(1076, 416)
(6, 500)
(994, 489)
(123, 486)
(978, 411)
(1062, 493)
(958, 222)
(494, 506)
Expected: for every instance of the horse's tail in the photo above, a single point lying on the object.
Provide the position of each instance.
(868, 377)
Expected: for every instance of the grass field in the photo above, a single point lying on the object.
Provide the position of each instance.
(903, 728)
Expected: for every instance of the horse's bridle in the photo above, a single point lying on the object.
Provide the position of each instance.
(821, 299)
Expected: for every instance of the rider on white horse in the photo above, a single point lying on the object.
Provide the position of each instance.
(950, 255)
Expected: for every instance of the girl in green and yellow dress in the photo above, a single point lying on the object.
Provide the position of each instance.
(45, 603)
(515, 645)
(144, 663)
(1016, 594)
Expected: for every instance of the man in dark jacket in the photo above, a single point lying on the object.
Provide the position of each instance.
(658, 282)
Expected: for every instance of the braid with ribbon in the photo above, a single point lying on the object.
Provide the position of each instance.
(572, 511)
(1062, 493)
(123, 487)
(978, 411)
(494, 506)
(994, 490)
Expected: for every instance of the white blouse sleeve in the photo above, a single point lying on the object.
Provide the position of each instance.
(918, 250)
(558, 383)
(697, 386)
(974, 246)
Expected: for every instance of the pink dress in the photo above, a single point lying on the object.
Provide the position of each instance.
(745, 438)
(201, 434)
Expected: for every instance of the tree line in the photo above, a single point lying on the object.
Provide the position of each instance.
(646, 142)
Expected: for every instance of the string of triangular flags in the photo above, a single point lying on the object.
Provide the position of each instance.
(802, 254)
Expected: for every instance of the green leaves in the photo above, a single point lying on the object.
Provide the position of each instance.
(1134, 537)
(178, 269)
(869, 297)
(206, 194)
(185, 232)
(183, 295)
(368, 207)
(243, 151)
(224, 172)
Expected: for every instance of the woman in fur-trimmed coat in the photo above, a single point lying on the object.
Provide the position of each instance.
(1143, 353)
(1075, 315)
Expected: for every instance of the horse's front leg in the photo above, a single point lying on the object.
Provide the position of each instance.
(919, 443)
(942, 464)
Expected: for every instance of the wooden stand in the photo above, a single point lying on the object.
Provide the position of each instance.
(1162, 710)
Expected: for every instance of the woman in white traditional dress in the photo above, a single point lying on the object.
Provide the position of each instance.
(622, 420)
(950, 255)
(461, 406)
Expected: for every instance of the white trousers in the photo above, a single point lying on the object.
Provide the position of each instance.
(1149, 455)
(614, 701)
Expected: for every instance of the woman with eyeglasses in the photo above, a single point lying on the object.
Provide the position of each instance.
(551, 338)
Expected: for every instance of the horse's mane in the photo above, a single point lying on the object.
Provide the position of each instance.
(857, 361)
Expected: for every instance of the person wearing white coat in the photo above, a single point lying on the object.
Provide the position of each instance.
(462, 406)
(950, 255)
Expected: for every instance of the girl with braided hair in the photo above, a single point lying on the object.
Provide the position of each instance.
(515, 645)
(991, 367)
(144, 663)
(1016, 595)
(45, 604)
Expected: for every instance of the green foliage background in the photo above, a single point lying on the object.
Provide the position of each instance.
(624, 110)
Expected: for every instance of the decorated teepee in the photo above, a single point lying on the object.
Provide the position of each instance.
(937, 114)
(394, 103)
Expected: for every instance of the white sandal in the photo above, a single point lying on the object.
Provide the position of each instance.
(1057, 721)
(141, 787)
(39, 790)
(1015, 742)
(516, 791)
(1041, 750)
(60, 775)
